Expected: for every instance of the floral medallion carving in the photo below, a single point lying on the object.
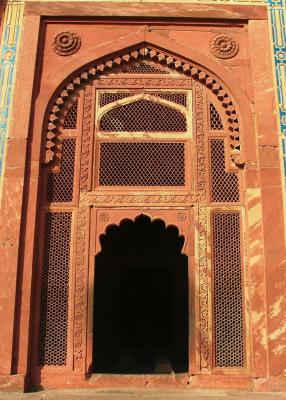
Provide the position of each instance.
(66, 43)
(181, 216)
(104, 217)
(224, 46)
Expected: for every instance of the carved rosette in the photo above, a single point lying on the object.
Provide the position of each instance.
(224, 46)
(181, 216)
(104, 217)
(66, 43)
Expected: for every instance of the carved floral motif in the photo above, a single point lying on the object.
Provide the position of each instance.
(92, 199)
(181, 216)
(87, 126)
(144, 82)
(203, 289)
(200, 139)
(104, 217)
(81, 286)
(224, 46)
(66, 43)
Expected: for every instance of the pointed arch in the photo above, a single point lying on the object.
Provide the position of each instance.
(196, 70)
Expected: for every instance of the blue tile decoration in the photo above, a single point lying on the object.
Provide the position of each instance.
(8, 57)
(277, 11)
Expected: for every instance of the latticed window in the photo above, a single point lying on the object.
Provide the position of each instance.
(60, 184)
(137, 160)
(71, 118)
(54, 289)
(142, 164)
(215, 119)
(227, 290)
(224, 185)
(143, 116)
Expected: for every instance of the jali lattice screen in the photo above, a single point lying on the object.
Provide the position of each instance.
(227, 290)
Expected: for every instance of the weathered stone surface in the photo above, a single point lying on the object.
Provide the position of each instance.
(242, 88)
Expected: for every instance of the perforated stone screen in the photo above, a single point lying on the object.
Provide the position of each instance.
(142, 164)
(71, 118)
(143, 115)
(224, 185)
(110, 97)
(54, 289)
(215, 119)
(227, 290)
(60, 184)
(144, 68)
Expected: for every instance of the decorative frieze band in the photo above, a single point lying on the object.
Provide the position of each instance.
(92, 199)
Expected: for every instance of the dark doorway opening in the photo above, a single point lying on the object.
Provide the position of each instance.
(141, 300)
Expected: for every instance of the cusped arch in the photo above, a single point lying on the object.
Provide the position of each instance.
(158, 225)
(146, 51)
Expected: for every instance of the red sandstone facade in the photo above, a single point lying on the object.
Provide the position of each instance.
(125, 128)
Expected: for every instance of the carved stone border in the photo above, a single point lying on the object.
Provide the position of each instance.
(94, 199)
(203, 291)
(164, 58)
(87, 133)
(81, 276)
(200, 140)
(91, 199)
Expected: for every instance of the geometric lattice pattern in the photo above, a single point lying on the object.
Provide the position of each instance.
(144, 68)
(227, 287)
(71, 118)
(224, 185)
(142, 164)
(55, 289)
(110, 97)
(60, 184)
(178, 98)
(143, 116)
(215, 119)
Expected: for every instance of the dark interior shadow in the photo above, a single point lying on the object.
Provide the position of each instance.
(141, 300)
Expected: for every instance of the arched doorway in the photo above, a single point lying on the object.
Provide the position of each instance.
(113, 161)
(140, 320)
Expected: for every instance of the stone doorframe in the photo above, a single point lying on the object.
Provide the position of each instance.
(99, 219)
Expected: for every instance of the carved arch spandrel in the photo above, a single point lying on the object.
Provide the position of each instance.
(147, 51)
(179, 218)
